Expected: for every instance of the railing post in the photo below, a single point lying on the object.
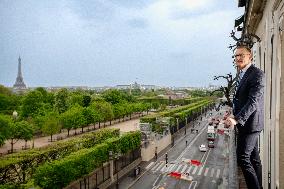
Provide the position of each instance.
(111, 170)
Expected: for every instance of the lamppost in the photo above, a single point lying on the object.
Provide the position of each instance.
(15, 115)
(185, 126)
(111, 165)
(177, 124)
(114, 156)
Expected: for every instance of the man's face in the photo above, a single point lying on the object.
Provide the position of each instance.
(242, 57)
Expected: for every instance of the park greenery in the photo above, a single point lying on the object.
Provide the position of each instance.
(40, 112)
(180, 113)
(77, 157)
(47, 113)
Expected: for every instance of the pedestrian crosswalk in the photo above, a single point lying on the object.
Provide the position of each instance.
(186, 168)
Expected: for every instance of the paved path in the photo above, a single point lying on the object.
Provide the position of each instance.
(128, 125)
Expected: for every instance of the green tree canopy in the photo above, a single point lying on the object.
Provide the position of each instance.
(5, 125)
(61, 101)
(73, 118)
(51, 125)
(32, 103)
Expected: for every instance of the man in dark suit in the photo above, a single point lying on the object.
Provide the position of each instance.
(248, 116)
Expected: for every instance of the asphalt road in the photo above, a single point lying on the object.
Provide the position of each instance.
(211, 174)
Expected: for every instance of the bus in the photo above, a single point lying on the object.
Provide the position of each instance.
(211, 134)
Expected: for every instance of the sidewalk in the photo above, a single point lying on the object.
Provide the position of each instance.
(126, 126)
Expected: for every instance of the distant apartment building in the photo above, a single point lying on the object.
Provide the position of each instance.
(174, 95)
(135, 85)
(266, 20)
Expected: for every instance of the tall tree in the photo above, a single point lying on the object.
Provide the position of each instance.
(26, 131)
(61, 101)
(5, 91)
(20, 130)
(113, 96)
(73, 118)
(32, 102)
(5, 125)
(51, 125)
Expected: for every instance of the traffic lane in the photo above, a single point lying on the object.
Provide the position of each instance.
(217, 162)
(149, 180)
(173, 183)
(180, 147)
(218, 155)
(192, 152)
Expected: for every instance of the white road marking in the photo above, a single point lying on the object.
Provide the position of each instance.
(148, 166)
(206, 171)
(184, 168)
(203, 156)
(193, 183)
(207, 156)
(189, 146)
(188, 171)
(178, 168)
(162, 164)
(157, 165)
(154, 184)
(194, 170)
(164, 168)
(200, 171)
(218, 173)
(212, 172)
(171, 167)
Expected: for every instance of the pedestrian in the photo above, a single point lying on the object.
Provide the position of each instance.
(248, 116)
(156, 153)
(166, 159)
(186, 143)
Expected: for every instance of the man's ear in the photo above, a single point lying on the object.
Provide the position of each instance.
(251, 58)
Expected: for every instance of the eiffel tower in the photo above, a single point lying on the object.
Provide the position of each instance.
(19, 84)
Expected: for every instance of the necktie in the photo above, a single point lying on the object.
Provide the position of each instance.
(239, 78)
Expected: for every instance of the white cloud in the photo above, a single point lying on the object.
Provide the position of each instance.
(159, 16)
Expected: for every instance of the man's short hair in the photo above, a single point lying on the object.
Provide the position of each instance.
(245, 47)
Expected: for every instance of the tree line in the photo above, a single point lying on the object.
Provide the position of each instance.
(43, 112)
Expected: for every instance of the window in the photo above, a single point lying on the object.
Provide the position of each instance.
(271, 74)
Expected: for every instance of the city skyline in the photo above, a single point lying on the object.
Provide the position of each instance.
(106, 43)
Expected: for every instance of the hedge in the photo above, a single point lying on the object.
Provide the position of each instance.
(60, 173)
(170, 113)
(19, 167)
(160, 100)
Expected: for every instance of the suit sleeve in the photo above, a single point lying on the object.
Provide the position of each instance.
(256, 91)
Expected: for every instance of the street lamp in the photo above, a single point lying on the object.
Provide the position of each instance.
(177, 124)
(111, 165)
(15, 114)
(116, 157)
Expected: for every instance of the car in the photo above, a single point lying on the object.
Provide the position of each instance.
(202, 148)
(211, 144)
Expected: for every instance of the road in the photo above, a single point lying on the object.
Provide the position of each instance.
(211, 174)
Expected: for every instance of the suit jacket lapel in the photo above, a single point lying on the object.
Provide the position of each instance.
(245, 77)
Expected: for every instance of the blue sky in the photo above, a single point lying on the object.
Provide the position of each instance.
(111, 42)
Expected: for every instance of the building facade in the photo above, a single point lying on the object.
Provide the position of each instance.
(264, 18)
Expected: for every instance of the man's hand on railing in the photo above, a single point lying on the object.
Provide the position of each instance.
(230, 122)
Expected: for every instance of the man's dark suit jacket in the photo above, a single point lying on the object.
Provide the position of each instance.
(248, 101)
